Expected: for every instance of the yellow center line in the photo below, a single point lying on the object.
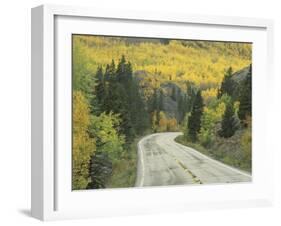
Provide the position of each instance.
(194, 177)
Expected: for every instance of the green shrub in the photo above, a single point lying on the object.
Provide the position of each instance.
(246, 144)
(206, 138)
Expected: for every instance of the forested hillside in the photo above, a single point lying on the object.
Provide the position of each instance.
(124, 88)
(222, 126)
(200, 62)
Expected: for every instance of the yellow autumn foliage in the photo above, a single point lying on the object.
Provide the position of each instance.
(201, 62)
(209, 94)
(164, 124)
(172, 125)
(83, 145)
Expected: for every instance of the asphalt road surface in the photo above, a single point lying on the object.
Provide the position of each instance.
(162, 161)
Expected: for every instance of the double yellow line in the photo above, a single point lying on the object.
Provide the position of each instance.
(194, 177)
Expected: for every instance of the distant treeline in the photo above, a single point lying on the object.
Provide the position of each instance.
(202, 63)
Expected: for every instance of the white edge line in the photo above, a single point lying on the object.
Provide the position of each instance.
(213, 160)
(141, 156)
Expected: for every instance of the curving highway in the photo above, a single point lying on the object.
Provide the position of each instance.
(162, 161)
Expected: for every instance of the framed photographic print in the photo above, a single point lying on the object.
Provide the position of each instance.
(137, 112)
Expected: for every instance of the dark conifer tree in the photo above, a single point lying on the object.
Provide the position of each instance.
(136, 105)
(100, 169)
(191, 91)
(107, 73)
(123, 108)
(229, 123)
(110, 86)
(129, 71)
(122, 97)
(245, 98)
(127, 99)
(194, 121)
(112, 71)
(227, 85)
(121, 70)
(100, 88)
(139, 114)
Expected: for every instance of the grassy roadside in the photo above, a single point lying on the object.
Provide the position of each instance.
(230, 157)
(125, 170)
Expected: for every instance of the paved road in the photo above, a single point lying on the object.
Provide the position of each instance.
(162, 161)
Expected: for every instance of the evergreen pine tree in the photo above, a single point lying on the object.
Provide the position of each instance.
(194, 121)
(245, 98)
(138, 111)
(112, 71)
(122, 97)
(121, 70)
(100, 169)
(107, 73)
(191, 91)
(117, 102)
(100, 89)
(227, 85)
(109, 85)
(125, 98)
(229, 122)
(129, 71)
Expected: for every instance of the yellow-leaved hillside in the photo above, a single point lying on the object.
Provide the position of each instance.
(201, 62)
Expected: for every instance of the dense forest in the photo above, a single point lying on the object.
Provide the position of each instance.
(124, 88)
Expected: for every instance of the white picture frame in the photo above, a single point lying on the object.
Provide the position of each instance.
(51, 198)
